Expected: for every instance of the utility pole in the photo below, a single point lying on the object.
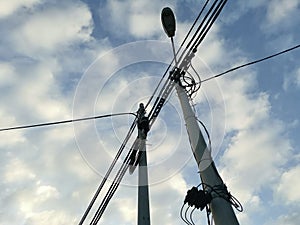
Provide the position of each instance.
(220, 205)
(143, 192)
(141, 159)
(222, 211)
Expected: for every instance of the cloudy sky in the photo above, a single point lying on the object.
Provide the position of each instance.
(69, 59)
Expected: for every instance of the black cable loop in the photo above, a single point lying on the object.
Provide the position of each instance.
(194, 86)
(198, 84)
(207, 215)
(191, 216)
(181, 214)
(207, 133)
(189, 83)
(236, 203)
(222, 192)
(185, 216)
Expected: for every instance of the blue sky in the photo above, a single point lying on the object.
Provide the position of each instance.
(67, 59)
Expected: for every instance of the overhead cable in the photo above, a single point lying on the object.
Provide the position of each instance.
(112, 189)
(251, 63)
(210, 22)
(101, 185)
(64, 121)
(198, 29)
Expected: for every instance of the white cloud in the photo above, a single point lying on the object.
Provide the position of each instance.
(7, 8)
(172, 192)
(287, 219)
(137, 18)
(17, 171)
(291, 80)
(280, 12)
(37, 180)
(45, 192)
(50, 217)
(143, 26)
(9, 139)
(54, 27)
(7, 74)
(36, 165)
(277, 15)
(289, 186)
(258, 149)
(280, 16)
(252, 153)
(241, 8)
(39, 90)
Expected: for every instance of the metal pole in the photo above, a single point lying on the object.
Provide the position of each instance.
(143, 192)
(222, 211)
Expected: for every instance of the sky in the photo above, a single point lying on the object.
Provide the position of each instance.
(70, 59)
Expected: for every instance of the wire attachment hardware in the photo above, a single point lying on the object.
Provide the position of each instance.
(197, 198)
(201, 199)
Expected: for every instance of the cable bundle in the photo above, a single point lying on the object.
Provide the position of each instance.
(201, 198)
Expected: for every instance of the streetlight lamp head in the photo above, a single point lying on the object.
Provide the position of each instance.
(168, 21)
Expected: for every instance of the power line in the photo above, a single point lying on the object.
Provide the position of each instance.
(63, 121)
(209, 23)
(251, 63)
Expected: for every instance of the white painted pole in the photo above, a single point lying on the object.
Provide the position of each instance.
(222, 211)
(143, 192)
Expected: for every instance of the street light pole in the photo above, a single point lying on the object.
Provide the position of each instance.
(220, 204)
(221, 208)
